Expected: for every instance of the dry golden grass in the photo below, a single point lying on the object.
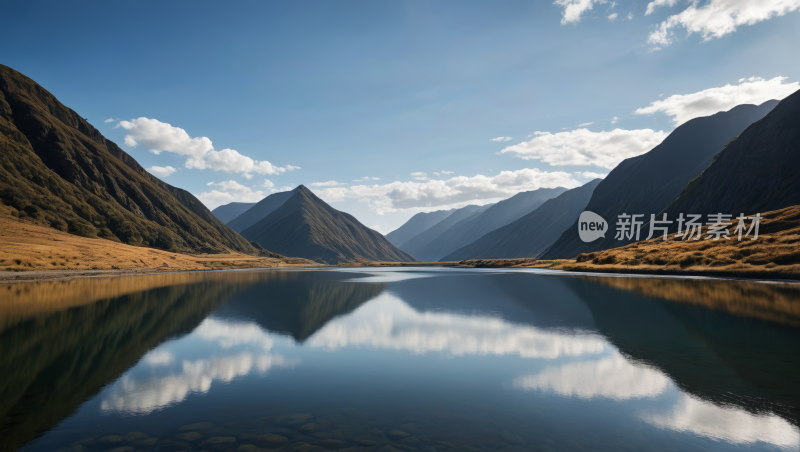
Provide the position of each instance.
(774, 255)
(27, 247)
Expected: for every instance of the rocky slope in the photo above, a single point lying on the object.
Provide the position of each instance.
(59, 171)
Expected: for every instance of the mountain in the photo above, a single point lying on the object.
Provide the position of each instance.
(530, 235)
(756, 172)
(230, 211)
(262, 208)
(422, 241)
(59, 171)
(648, 183)
(305, 226)
(498, 215)
(418, 224)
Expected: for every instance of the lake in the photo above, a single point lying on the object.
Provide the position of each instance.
(398, 359)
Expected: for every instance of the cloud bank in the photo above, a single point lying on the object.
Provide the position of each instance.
(716, 18)
(453, 192)
(160, 137)
(753, 90)
(582, 147)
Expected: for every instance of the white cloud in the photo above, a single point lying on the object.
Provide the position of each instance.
(231, 191)
(161, 171)
(111, 120)
(500, 139)
(612, 377)
(330, 183)
(727, 423)
(448, 172)
(612, 17)
(614, 119)
(292, 167)
(366, 179)
(268, 183)
(161, 137)
(655, 4)
(420, 176)
(718, 18)
(583, 147)
(591, 175)
(585, 124)
(453, 192)
(754, 90)
(574, 8)
(630, 16)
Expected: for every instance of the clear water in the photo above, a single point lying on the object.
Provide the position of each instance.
(398, 359)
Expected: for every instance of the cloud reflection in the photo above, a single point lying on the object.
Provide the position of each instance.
(141, 395)
(388, 323)
(727, 423)
(613, 377)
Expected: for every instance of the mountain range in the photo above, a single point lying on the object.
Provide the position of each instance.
(530, 235)
(418, 245)
(230, 211)
(495, 216)
(57, 170)
(418, 224)
(648, 183)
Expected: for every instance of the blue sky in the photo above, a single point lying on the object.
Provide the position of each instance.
(385, 89)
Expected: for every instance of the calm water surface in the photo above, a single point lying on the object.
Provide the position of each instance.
(398, 359)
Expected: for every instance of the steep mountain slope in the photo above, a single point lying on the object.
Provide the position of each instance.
(260, 210)
(305, 226)
(759, 171)
(59, 171)
(498, 215)
(646, 184)
(530, 235)
(418, 224)
(232, 210)
(420, 242)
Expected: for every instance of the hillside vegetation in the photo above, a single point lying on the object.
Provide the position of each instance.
(57, 170)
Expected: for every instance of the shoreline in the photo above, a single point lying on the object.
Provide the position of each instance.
(556, 267)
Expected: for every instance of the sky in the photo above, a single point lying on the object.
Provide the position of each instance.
(390, 108)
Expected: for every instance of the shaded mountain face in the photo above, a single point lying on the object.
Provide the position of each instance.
(305, 226)
(260, 210)
(59, 171)
(756, 172)
(648, 183)
(496, 216)
(417, 245)
(418, 224)
(530, 235)
(230, 211)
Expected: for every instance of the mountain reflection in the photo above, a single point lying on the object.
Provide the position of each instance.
(623, 340)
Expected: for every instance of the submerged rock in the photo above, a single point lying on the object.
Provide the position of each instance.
(397, 434)
(271, 438)
(189, 436)
(136, 437)
(198, 426)
(111, 439)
